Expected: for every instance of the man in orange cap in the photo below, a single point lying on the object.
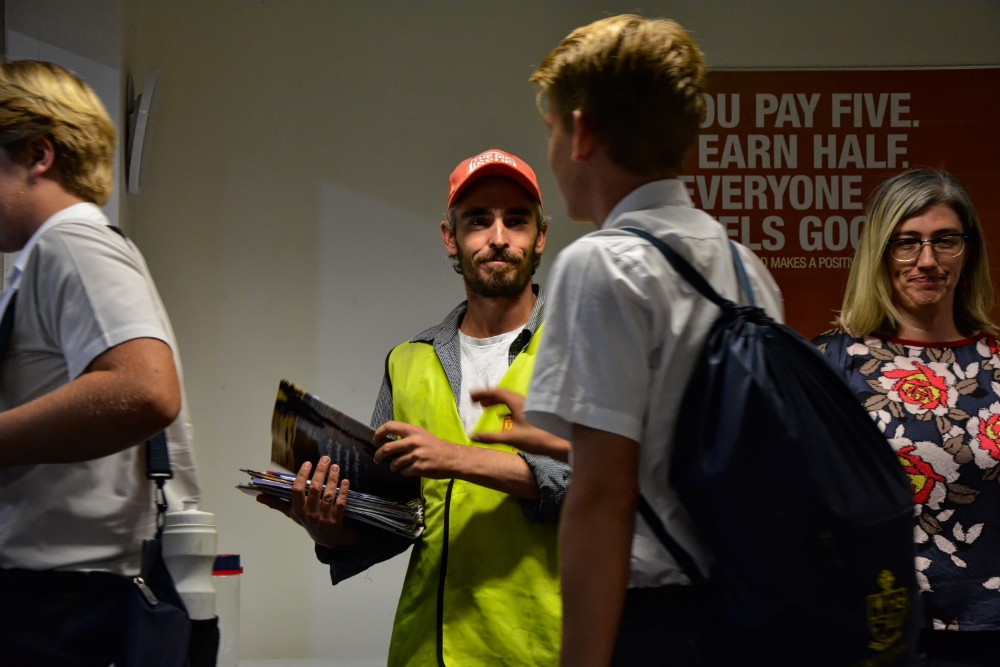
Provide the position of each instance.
(482, 585)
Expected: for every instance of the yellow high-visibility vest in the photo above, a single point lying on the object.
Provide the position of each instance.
(482, 587)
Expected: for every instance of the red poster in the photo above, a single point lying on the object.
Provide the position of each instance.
(786, 159)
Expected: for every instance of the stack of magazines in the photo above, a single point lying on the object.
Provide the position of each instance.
(403, 518)
(304, 428)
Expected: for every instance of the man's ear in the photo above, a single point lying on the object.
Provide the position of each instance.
(448, 237)
(582, 136)
(540, 239)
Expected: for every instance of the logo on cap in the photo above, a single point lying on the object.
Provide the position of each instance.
(489, 157)
(492, 162)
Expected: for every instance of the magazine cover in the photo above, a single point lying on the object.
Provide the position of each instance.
(303, 428)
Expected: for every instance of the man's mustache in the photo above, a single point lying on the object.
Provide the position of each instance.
(499, 257)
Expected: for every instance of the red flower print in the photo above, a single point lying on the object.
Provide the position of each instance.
(993, 345)
(989, 435)
(921, 474)
(920, 387)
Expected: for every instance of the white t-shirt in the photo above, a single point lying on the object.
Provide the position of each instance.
(82, 289)
(623, 332)
(484, 362)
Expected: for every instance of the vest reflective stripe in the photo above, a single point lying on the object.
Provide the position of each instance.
(482, 586)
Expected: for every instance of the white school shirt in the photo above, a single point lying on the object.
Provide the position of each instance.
(82, 289)
(623, 332)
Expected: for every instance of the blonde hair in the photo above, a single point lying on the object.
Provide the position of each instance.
(868, 306)
(638, 81)
(43, 100)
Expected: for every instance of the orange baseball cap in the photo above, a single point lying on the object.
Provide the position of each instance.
(493, 162)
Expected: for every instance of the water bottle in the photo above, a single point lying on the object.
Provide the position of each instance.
(189, 549)
(226, 577)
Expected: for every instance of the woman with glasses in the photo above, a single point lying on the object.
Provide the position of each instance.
(915, 343)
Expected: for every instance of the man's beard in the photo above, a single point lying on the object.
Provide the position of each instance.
(500, 281)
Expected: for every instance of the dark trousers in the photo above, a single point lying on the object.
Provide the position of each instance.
(34, 609)
(945, 648)
(657, 628)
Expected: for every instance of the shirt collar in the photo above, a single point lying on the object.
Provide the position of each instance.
(84, 211)
(448, 329)
(655, 194)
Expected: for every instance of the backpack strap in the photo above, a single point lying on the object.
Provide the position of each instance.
(7, 324)
(683, 267)
(691, 275)
(157, 457)
(696, 280)
(741, 273)
(681, 557)
(158, 470)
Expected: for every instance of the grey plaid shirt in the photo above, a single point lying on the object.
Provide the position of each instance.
(552, 476)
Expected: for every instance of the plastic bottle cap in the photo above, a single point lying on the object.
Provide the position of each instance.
(190, 516)
(226, 565)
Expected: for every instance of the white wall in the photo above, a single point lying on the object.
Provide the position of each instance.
(295, 173)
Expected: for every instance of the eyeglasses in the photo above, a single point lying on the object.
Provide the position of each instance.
(945, 246)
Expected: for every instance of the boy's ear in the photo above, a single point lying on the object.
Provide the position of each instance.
(39, 156)
(583, 137)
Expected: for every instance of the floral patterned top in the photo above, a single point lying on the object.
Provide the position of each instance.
(939, 406)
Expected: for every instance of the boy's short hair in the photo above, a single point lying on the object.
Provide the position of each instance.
(638, 81)
(43, 100)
